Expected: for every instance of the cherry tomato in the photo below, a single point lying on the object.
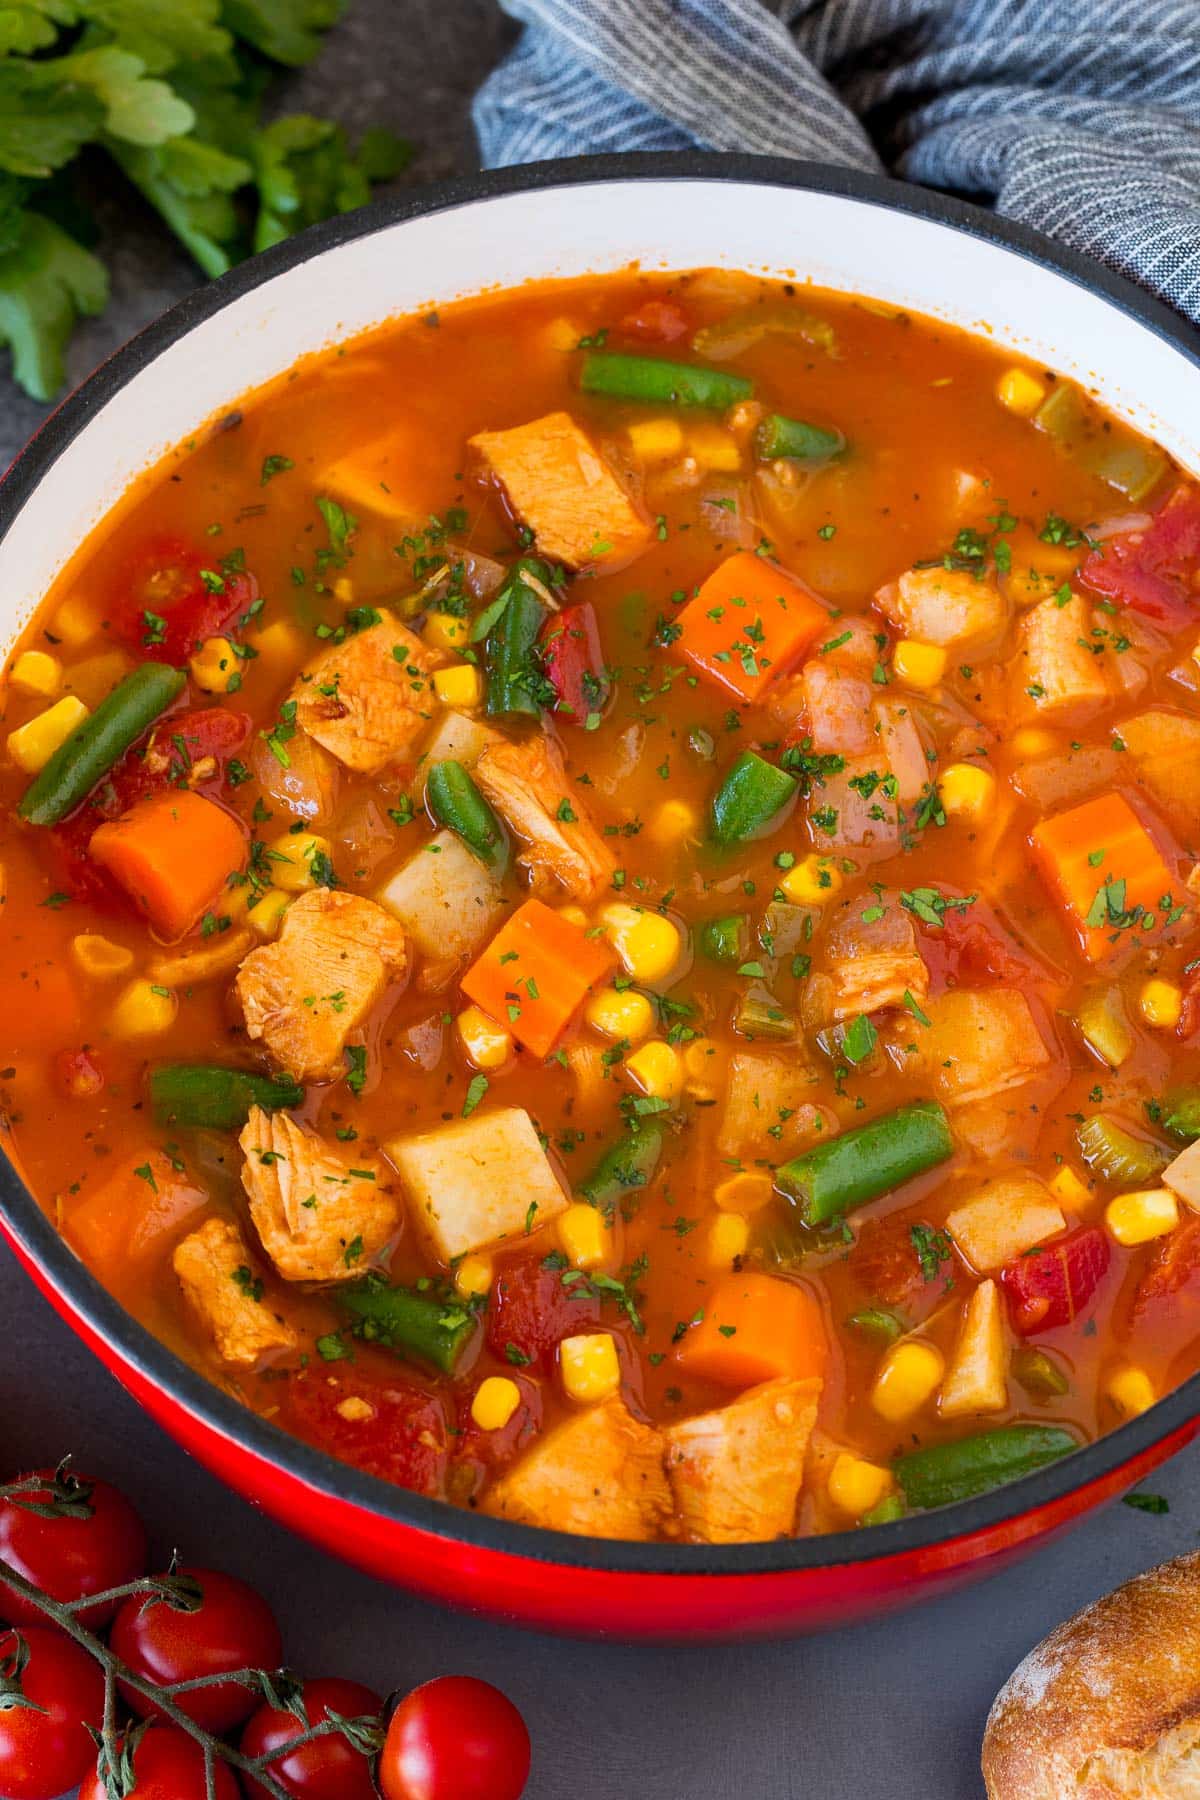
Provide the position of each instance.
(232, 1628)
(168, 1765)
(329, 1768)
(45, 1748)
(455, 1739)
(68, 1557)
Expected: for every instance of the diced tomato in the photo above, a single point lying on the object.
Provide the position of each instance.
(1155, 571)
(77, 1074)
(178, 747)
(971, 948)
(174, 596)
(660, 320)
(403, 1440)
(1176, 1267)
(478, 1453)
(885, 1264)
(71, 868)
(1051, 1287)
(533, 1310)
(574, 663)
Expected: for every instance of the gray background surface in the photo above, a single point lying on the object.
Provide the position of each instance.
(891, 1711)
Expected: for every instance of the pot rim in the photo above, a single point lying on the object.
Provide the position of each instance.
(219, 1413)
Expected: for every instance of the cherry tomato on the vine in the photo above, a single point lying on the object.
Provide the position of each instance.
(232, 1628)
(455, 1739)
(167, 1765)
(68, 1557)
(328, 1768)
(44, 1746)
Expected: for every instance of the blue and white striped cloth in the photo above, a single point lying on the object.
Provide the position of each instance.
(1080, 117)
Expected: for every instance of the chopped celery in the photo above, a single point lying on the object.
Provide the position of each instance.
(759, 1015)
(1038, 1374)
(1116, 1156)
(1098, 444)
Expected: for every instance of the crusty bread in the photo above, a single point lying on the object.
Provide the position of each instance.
(1109, 1704)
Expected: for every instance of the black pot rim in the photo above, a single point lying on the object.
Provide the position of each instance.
(219, 1412)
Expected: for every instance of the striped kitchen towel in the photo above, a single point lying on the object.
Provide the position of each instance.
(1080, 117)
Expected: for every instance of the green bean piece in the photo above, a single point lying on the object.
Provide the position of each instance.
(890, 1508)
(514, 622)
(796, 440)
(1038, 1374)
(866, 1162)
(102, 740)
(750, 800)
(653, 378)
(428, 1327)
(1181, 1115)
(1115, 1156)
(456, 802)
(206, 1096)
(972, 1465)
(625, 1166)
(726, 941)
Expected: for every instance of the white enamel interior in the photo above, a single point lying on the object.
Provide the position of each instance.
(670, 223)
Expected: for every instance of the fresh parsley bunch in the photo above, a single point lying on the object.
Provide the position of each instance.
(171, 93)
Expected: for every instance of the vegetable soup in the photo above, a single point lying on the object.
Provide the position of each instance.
(601, 904)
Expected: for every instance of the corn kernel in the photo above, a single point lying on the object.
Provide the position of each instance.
(563, 334)
(1033, 741)
(99, 956)
(474, 1275)
(657, 1069)
(293, 855)
(486, 1044)
(648, 945)
(32, 745)
(703, 1065)
(910, 1373)
(616, 1015)
(343, 590)
(280, 648)
(744, 1192)
(1138, 1217)
(1019, 392)
(575, 915)
(461, 686)
(856, 1486)
(143, 1010)
(590, 1369)
(813, 881)
(37, 672)
(674, 821)
(1131, 1390)
(966, 790)
(445, 631)
(656, 440)
(714, 449)
(215, 666)
(918, 665)
(495, 1401)
(727, 1239)
(75, 622)
(1160, 1004)
(1070, 1190)
(583, 1236)
(265, 916)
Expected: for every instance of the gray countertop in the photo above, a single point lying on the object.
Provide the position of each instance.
(888, 1711)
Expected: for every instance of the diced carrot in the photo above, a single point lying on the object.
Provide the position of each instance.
(756, 1327)
(173, 854)
(1107, 873)
(130, 1215)
(749, 624)
(536, 973)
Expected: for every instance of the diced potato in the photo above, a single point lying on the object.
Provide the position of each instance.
(975, 1381)
(1007, 1217)
(767, 1110)
(1183, 1175)
(946, 607)
(445, 898)
(478, 1182)
(457, 738)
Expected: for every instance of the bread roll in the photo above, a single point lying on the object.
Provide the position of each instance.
(1109, 1704)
